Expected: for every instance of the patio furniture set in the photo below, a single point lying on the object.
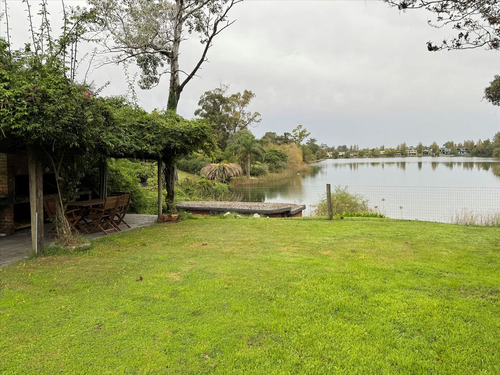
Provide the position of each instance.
(93, 215)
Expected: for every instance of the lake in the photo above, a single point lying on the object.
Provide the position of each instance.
(428, 188)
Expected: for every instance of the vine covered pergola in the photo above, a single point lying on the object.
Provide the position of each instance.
(60, 123)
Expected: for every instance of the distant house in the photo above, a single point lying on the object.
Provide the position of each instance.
(445, 151)
(463, 151)
(411, 151)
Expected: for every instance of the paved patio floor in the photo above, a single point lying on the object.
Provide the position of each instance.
(18, 246)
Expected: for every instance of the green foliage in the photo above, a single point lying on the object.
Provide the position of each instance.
(202, 189)
(307, 155)
(192, 164)
(492, 92)
(227, 113)
(299, 134)
(125, 176)
(343, 201)
(275, 159)
(259, 169)
(244, 144)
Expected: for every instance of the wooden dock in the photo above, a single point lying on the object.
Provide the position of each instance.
(264, 209)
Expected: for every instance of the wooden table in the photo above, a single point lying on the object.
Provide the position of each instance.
(85, 207)
(87, 204)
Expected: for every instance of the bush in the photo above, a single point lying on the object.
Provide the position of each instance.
(343, 202)
(193, 164)
(276, 160)
(202, 189)
(259, 169)
(126, 176)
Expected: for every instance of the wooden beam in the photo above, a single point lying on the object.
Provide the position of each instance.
(160, 187)
(36, 200)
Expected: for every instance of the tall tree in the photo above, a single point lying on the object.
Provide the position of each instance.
(150, 32)
(299, 134)
(227, 113)
(476, 22)
(245, 145)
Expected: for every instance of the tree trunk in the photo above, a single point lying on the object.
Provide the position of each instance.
(248, 165)
(170, 183)
(175, 89)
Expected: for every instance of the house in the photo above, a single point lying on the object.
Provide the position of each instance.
(411, 151)
(445, 151)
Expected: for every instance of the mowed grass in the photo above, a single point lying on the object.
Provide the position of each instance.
(260, 296)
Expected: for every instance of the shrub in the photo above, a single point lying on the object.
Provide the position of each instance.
(126, 176)
(202, 189)
(259, 169)
(222, 172)
(343, 202)
(193, 164)
(276, 160)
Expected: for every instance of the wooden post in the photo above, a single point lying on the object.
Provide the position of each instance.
(103, 179)
(36, 200)
(329, 201)
(160, 188)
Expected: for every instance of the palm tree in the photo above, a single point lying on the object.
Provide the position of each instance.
(222, 171)
(246, 145)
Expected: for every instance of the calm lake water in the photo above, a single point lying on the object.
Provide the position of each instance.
(436, 189)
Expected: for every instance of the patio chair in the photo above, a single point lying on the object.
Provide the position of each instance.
(101, 218)
(121, 210)
(73, 215)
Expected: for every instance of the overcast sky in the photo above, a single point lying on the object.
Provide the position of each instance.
(351, 72)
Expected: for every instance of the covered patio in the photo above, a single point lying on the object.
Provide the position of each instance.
(18, 246)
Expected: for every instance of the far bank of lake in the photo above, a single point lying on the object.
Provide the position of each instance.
(426, 188)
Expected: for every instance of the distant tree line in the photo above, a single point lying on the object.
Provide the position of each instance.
(480, 148)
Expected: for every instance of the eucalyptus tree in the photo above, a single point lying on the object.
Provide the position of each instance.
(151, 32)
(227, 113)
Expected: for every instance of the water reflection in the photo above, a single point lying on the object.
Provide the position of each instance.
(356, 164)
(443, 172)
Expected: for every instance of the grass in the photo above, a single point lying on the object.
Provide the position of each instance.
(260, 296)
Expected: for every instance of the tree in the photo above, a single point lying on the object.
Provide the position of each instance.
(151, 33)
(434, 149)
(476, 22)
(227, 113)
(299, 134)
(420, 148)
(244, 144)
(222, 171)
(43, 109)
(492, 92)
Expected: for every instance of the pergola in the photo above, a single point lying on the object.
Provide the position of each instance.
(36, 193)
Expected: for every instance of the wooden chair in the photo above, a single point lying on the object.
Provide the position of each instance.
(101, 218)
(73, 215)
(121, 210)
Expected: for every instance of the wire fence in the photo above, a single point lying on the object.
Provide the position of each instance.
(462, 205)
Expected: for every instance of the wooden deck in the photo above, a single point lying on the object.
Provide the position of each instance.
(265, 209)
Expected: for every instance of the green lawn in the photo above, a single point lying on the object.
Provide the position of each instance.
(260, 296)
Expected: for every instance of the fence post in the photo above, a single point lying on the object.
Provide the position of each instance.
(329, 201)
